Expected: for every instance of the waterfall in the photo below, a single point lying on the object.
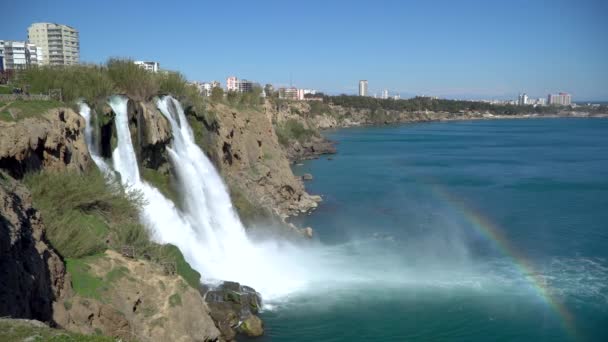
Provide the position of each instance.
(208, 231)
(229, 254)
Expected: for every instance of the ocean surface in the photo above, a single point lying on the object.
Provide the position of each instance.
(457, 231)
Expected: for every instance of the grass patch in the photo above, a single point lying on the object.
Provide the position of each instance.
(17, 331)
(25, 109)
(82, 211)
(171, 253)
(162, 182)
(6, 90)
(175, 300)
(84, 283)
(116, 273)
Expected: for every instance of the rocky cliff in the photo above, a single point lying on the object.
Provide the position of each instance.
(244, 146)
(133, 299)
(53, 140)
(32, 275)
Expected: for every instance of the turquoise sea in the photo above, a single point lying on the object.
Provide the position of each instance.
(469, 231)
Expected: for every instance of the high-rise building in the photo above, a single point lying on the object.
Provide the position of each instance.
(15, 55)
(241, 86)
(561, 99)
(363, 88)
(147, 65)
(58, 44)
(385, 94)
(523, 99)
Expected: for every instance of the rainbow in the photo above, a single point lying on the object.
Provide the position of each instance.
(494, 235)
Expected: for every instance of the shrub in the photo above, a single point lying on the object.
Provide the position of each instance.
(293, 129)
(133, 80)
(82, 211)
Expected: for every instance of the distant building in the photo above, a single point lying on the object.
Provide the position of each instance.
(561, 99)
(148, 65)
(290, 93)
(240, 86)
(58, 44)
(363, 88)
(541, 101)
(522, 99)
(205, 88)
(385, 94)
(17, 55)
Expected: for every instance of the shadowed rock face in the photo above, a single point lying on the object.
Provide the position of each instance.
(54, 141)
(31, 274)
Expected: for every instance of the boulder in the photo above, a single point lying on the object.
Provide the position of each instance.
(233, 308)
(252, 326)
(307, 177)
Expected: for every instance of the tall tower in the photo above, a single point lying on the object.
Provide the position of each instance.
(363, 88)
(58, 44)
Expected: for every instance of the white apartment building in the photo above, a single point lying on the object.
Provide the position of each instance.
(58, 44)
(148, 65)
(16, 55)
(523, 100)
(561, 99)
(240, 86)
(363, 88)
(205, 88)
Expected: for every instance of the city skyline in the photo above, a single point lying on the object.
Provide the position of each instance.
(475, 50)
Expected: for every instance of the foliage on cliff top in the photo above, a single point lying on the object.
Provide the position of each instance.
(75, 81)
(421, 103)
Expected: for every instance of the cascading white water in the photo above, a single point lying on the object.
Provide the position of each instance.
(85, 112)
(213, 239)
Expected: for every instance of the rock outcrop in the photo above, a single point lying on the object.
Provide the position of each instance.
(136, 299)
(32, 275)
(53, 140)
(233, 307)
(244, 146)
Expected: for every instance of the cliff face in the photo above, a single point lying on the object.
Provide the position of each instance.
(32, 275)
(244, 146)
(53, 141)
(134, 299)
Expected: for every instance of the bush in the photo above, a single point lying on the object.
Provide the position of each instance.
(133, 80)
(82, 211)
(293, 129)
(88, 82)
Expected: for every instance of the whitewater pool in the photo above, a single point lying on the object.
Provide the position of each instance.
(469, 231)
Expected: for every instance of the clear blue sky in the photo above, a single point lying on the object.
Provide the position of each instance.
(449, 48)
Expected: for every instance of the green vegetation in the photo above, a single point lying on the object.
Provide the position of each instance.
(319, 108)
(83, 211)
(421, 103)
(171, 253)
(84, 283)
(161, 181)
(18, 331)
(248, 211)
(5, 89)
(132, 80)
(21, 109)
(293, 130)
(250, 100)
(74, 82)
(175, 300)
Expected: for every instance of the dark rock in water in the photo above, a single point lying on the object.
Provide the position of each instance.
(233, 308)
(330, 158)
(252, 326)
(307, 177)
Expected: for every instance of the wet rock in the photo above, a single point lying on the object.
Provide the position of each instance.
(233, 308)
(252, 326)
(307, 177)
